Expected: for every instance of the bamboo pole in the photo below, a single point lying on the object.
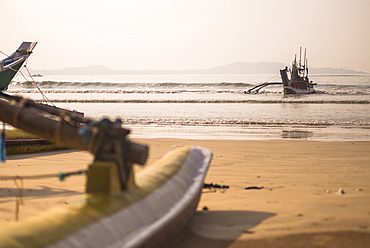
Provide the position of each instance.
(27, 119)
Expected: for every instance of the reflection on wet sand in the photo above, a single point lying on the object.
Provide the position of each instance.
(295, 134)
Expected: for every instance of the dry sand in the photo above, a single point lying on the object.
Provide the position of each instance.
(313, 194)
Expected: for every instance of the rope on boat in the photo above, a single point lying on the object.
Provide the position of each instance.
(64, 175)
(84, 131)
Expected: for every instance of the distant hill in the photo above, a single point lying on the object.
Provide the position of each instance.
(234, 68)
(93, 70)
(270, 68)
(247, 68)
(335, 71)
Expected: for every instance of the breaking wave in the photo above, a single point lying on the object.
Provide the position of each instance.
(206, 101)
(61, 87)
(110, 85)
(241, 122)
(146, 90)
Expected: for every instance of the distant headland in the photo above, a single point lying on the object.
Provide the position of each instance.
(234, 68)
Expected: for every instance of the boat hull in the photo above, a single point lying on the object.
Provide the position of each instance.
(164, 199)
(8, 74)
(295, 86)
(290, 90)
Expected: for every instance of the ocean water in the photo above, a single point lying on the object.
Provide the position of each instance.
(213, 106)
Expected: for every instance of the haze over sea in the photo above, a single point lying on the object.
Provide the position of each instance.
(214, 106)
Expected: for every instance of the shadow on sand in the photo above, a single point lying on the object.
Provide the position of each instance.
(40, 192)
(40, 154)
(217, 229)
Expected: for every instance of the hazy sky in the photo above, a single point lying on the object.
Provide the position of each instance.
(187, 34)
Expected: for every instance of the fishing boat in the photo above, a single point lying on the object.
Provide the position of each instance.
(119, 208)
(13, 63)
(298, 83)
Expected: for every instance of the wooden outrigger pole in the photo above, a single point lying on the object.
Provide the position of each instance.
(257, 88)
(71, 129)
(25, 114)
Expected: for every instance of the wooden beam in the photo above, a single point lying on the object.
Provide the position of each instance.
(29, 120)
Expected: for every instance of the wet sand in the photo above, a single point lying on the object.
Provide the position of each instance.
(282, 193)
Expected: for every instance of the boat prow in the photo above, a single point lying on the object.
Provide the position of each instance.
(163, 199)
(13, 63)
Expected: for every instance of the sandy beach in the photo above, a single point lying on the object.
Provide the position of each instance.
(282, 193)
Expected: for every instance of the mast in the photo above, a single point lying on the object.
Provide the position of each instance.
(306, 67)
(304, 62)
(294, 68)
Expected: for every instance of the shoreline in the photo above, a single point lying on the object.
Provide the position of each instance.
(307, 189)
(295, 132)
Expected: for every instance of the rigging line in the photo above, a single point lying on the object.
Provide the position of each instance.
(275, 76)
(4, 53)
(34, 83)
(20, 71)
(46, 99)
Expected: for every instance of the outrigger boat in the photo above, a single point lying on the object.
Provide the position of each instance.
(13, 63)
(298, 83)
(119, 209)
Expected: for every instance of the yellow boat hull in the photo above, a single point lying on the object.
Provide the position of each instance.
(163, 199)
